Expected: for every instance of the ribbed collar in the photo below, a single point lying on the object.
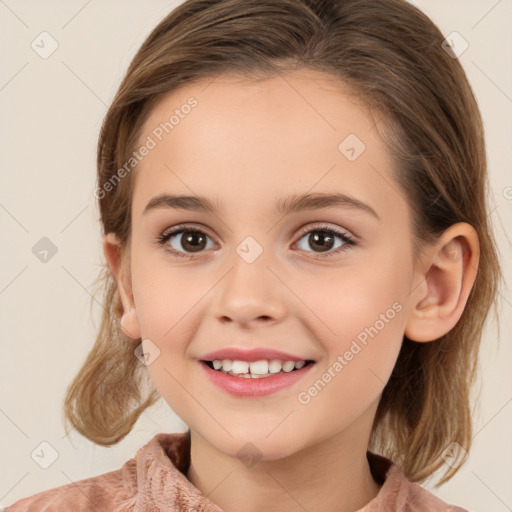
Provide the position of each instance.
(161, 466)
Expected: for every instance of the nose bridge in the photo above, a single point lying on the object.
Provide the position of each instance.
(250, 290)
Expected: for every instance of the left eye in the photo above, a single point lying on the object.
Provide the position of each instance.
(324, 237)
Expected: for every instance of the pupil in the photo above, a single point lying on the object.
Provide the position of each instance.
(322, 237)
(191, 240)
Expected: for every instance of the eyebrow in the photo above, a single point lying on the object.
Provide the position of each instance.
(284, 206)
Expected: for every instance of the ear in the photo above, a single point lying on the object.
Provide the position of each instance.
(120, 268)
(449, 272)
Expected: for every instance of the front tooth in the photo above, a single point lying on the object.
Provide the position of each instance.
(239, 366)
(288, 366)
(227, 364)
(259, 367)
(274, 366)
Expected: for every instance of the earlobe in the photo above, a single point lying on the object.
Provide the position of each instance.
(438, 303)
(129, 322)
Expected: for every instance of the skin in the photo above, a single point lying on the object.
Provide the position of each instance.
(247, 144)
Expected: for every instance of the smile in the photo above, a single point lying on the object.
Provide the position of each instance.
(254, 378)
(255, 369)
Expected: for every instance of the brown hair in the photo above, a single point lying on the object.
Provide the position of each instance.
(391, 55)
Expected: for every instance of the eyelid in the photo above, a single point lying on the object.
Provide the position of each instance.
(319, 225)
(188, 227)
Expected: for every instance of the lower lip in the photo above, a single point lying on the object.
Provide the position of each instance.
(241, 386)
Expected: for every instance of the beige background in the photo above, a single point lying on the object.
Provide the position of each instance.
(51, 115)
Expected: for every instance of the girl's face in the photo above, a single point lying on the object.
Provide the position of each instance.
(261, 275)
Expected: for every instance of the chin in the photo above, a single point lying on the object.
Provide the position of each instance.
(250, 446)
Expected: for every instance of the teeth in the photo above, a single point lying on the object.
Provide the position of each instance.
(259, 367)
(288, 366)
(274, 366)
(256, 369)
(239, 366)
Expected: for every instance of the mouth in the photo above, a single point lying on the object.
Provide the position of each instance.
(255, 378)
(256, 369)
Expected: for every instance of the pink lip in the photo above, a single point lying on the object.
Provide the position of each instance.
(249, 354)
(243, 387)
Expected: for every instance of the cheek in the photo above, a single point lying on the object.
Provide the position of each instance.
(359, 322)
(368, 323)
(168, 304)
(354, 302)
(164, 296)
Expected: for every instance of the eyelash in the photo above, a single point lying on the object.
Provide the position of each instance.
(163, 238)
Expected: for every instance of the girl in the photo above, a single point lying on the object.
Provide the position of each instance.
(292, 196)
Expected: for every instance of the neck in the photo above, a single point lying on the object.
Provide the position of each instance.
(331, 475)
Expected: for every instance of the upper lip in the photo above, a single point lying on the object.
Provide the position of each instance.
(250, 354)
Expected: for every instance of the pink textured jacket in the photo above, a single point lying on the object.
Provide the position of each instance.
(155, 481)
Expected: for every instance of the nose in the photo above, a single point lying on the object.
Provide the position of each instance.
(250, 293)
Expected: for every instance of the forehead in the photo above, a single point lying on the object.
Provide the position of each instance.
(246, 142)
